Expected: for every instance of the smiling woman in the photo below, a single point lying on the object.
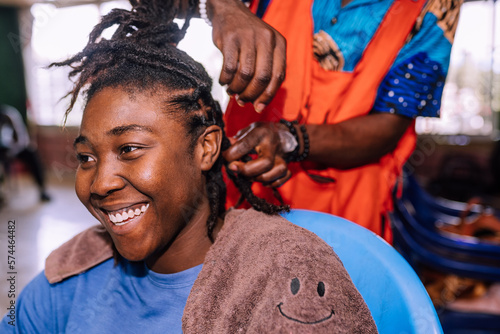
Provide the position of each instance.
(167, 256)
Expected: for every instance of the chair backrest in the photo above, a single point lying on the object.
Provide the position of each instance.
(392, 290)
(427, 211)
(417, 238)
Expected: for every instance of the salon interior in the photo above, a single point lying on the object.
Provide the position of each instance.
(446, 219)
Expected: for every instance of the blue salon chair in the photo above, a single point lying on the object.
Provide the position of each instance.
(393, 292)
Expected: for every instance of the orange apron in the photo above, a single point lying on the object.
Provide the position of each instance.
(312, 95)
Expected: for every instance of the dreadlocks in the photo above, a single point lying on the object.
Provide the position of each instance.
(142, 54)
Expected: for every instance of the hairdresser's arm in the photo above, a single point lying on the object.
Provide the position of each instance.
(254, 53)
(352, 143)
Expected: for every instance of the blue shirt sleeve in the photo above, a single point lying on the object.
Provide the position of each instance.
(414, 85)
(33, 310)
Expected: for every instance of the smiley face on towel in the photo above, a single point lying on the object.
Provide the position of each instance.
(312, 293)
(266, 275)
(304, 316)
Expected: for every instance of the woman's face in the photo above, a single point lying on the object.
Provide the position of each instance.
(136, 174)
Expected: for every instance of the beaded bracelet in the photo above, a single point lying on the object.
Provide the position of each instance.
(305, 138)
(203, 11)
(294, 155)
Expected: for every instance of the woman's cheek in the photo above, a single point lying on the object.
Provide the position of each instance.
(82, 187)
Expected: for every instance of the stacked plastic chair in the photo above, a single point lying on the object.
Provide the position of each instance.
(416, 237)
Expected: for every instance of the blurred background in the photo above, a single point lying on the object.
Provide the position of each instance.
(457, 159)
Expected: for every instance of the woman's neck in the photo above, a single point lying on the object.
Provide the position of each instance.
(189, 247)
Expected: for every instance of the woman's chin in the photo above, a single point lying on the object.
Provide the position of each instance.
(129, 254)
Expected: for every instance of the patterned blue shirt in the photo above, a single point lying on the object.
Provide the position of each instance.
(414, 84)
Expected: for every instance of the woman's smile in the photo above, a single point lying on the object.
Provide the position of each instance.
(123, 220)
(124, 216)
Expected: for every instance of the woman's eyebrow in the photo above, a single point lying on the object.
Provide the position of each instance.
(119, 130)
(80, 140)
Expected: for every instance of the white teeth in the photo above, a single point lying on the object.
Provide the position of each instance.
(123, 218)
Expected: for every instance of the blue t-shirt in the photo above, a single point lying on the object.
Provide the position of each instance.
(127, 298)
(414, 84)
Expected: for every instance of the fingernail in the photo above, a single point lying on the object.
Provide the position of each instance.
(259, 107)
(233, 167)
(240, 103)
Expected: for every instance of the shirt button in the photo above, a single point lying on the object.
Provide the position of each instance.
(334, 20)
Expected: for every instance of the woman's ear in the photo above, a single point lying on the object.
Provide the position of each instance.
(210, 142)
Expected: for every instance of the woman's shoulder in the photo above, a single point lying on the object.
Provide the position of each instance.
(44, 307)
(82, 252)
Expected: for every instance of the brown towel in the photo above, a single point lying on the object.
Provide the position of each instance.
(262, 275)
(265, 275)
(82, 252)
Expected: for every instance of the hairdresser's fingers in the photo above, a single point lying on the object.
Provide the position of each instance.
(246, 67)
(253, 51)
(256, 167)
(231, 52)
(278, 183)
(269, 72)
(277, 76)
(278, 172)
(234, 33)
(282, 181)
(244, 131)
(263, 67)
(246, 143)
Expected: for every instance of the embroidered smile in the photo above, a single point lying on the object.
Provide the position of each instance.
(305, 322)
(124, 216)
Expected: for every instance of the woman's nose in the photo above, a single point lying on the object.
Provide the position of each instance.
(107, 180)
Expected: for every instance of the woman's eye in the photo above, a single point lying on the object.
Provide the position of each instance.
(128, 149)
(83, 158)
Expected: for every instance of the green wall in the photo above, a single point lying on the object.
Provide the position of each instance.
(12, 83)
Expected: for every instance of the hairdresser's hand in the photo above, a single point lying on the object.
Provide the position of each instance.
(254, 53)
(263, 140)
